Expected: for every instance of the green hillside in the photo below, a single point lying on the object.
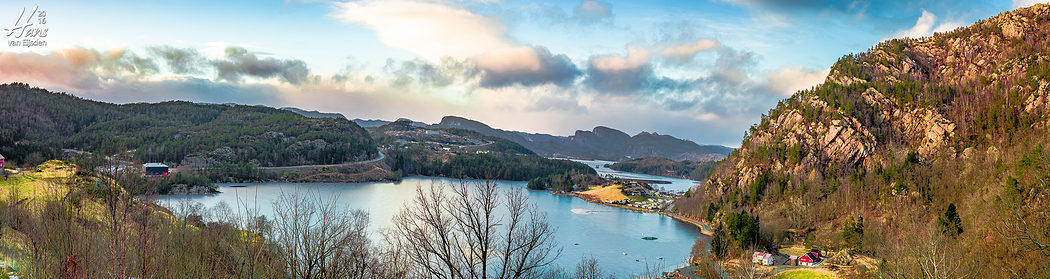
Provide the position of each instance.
(38, 124)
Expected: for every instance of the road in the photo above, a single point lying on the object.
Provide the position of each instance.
(307, 168)
(704, 228)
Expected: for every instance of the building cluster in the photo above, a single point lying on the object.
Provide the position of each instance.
(811, 258)
(641, 195)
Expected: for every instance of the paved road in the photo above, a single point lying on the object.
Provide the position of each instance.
(704, 229)
(305, 168)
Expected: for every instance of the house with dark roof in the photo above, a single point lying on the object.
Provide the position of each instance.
(809, 259)
(154, 170)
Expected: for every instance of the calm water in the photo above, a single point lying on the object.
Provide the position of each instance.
(583, 228)
(677, 184)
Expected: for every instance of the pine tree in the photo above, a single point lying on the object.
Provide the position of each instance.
(949, 222)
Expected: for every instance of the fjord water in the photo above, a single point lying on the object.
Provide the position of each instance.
(676, 184)
(583, 228)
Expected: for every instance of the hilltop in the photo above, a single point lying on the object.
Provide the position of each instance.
(415, 150)
(897, 135)
(39, 124)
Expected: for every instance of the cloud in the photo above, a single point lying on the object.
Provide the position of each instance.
(429, 74)
(925, 26)
(526, 66)
(187, 88)
(179, 60)
(240, 62)
(788, 80)
(521, 66)
(429, 30)
(683, 53)
(438, 32)
(1028, 3)
(620, 74)
(731, 88)
(72, 68)
(591, 11)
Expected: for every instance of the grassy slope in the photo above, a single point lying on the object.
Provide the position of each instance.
(57, 216)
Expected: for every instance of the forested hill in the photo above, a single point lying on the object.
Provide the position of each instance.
(666, 167)
(899, 133)
(37, 124)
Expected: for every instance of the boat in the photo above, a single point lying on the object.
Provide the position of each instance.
(649, 238)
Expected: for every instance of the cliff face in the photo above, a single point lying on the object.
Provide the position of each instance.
(938, 96)
(896, 135)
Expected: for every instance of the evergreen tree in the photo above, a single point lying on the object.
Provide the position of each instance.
(853, 234)
(719, 243)
(949, 222)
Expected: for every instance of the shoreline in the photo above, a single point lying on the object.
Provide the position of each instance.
(705, 229)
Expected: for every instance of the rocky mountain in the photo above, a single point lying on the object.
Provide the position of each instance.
(602, 143)
(900, 132)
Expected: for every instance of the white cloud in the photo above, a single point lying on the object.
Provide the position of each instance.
(590, 10)
(636, 57)
(1028, 3)
(925, 26)
(788, 80)
(683, 52)
(429, 30)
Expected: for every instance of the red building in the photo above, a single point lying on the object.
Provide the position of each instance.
(155, 170)
(1, 161)
(809, 259)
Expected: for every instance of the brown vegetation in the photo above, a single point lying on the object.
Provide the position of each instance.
(894, 137)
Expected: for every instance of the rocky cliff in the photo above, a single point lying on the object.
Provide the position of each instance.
(937, 96)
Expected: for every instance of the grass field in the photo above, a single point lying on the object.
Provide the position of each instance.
(606, 193)
(806, 274)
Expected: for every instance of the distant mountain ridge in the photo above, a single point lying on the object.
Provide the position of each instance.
(602, 143)
(371, 123)
(314, 113)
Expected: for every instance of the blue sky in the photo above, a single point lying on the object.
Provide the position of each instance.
(701, 70)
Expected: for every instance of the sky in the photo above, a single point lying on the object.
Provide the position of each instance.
(699, 70)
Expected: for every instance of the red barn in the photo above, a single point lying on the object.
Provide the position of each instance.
(1, 161)
(808, 259)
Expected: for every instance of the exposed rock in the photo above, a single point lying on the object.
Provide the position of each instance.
(936, 94)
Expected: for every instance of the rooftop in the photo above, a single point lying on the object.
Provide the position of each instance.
(154, 165)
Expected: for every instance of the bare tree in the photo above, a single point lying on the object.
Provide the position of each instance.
(747, 268)
(474, 231)
(927, 254)
(317, 238)
(259, 230)
(588, 269)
